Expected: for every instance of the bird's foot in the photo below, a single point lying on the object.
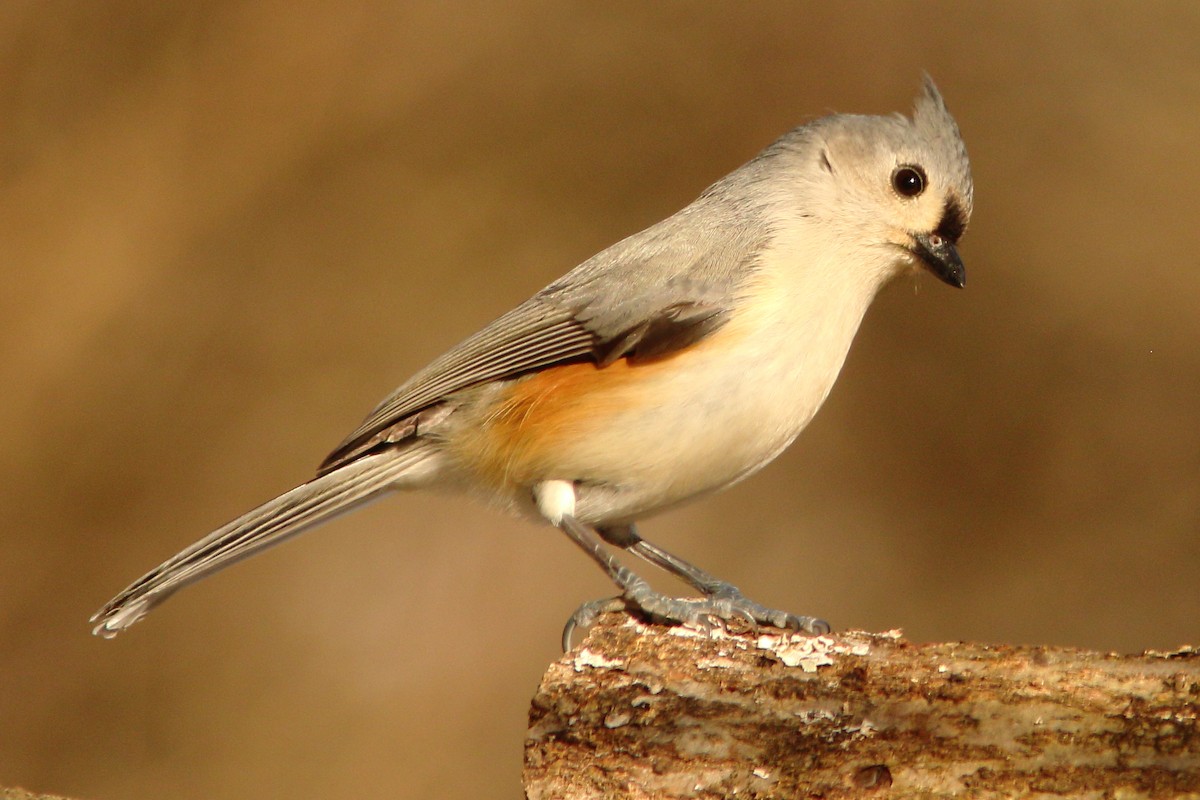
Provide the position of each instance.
(726, 604)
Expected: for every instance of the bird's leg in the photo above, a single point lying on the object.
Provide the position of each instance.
(634, 589)
(626, 537)
(723, 600)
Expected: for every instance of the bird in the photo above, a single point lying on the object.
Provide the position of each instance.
(673, 364)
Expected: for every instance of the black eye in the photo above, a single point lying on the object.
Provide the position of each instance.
(908, 181)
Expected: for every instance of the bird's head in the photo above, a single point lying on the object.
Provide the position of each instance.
(899, 185)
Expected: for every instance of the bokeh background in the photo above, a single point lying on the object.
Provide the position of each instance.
(228, 228)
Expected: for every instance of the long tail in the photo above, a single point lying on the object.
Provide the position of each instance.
(269, 524)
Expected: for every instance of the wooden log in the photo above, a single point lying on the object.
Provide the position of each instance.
(645, 711)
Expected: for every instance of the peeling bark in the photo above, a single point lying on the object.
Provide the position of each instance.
(21, 794)
(640, 711)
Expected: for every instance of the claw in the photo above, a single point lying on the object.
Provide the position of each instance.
(586, 615)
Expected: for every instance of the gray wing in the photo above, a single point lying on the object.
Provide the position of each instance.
(659, 290)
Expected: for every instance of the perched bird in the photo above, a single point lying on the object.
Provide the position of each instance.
(675, 363)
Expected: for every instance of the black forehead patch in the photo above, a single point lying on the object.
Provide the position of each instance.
(954, 221)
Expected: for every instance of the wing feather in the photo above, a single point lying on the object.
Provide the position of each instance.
(656, 291)
(531, 336)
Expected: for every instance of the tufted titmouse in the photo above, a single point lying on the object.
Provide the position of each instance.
(675, 363)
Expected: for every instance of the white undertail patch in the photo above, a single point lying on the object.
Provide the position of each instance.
(555, 500)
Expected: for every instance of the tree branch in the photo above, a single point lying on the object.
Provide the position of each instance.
(642, 711)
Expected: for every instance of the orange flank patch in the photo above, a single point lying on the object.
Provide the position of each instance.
(540, 425)
(526, 431)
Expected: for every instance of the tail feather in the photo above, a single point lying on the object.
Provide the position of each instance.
(271, 523)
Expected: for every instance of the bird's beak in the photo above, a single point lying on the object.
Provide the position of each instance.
(940, 257)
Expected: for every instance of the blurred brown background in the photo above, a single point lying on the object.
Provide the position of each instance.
(228, 229)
